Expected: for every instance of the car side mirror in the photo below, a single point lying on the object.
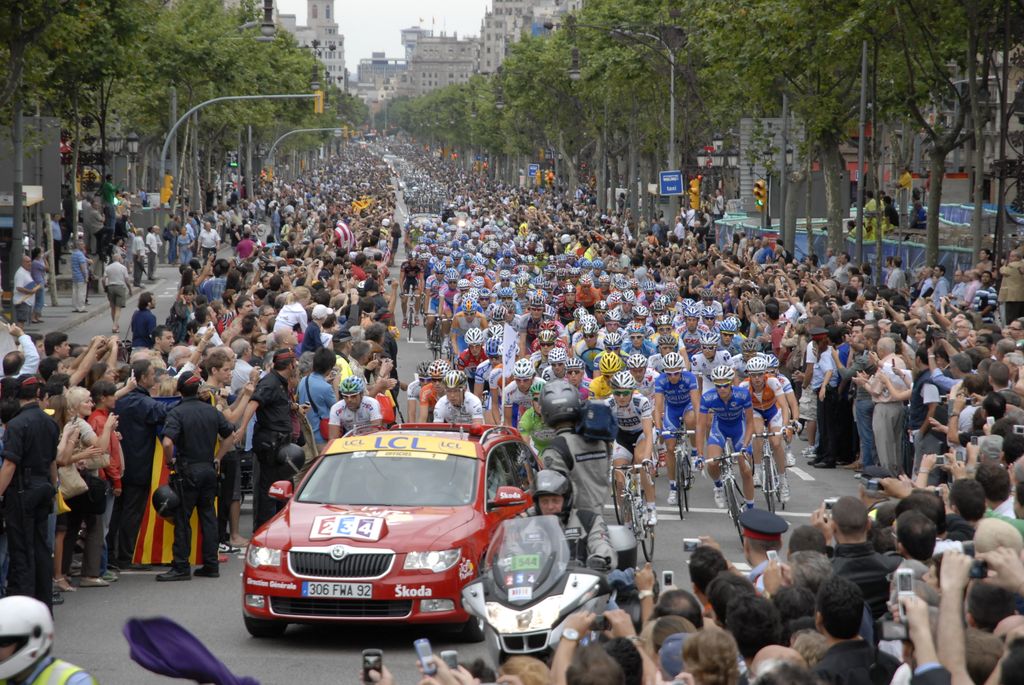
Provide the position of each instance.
(281, 490)
(508, 496)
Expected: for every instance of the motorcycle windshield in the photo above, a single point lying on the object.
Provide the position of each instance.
(527, 558)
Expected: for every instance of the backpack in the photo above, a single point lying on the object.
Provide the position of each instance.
(597, 422)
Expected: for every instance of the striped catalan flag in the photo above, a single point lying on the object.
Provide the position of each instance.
(156, 535)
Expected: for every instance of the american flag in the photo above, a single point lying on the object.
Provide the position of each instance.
(343, 236)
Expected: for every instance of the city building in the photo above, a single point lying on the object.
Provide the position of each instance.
(321, 32)
(439, 61)
(509, 20)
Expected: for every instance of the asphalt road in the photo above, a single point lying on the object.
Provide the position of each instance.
(90, 623)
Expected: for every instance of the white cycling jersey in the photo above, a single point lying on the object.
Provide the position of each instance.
(471, 409)
(702, 366)
(341, 415)
(630, 417)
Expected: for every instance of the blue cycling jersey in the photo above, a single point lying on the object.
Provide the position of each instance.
(732, 411)
(676, 394)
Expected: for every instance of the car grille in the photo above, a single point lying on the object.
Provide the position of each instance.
(321, 565)
(525, 643)
(345, 608)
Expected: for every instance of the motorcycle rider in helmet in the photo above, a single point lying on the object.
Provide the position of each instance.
(26, 639)
(583, 460)
(585, 531)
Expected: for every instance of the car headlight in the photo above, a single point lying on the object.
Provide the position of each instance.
(257, 556)
(432, 561)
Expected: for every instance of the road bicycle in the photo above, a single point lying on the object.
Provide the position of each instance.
(439, 343)
(769, 471)
(633, 506)
(412, 312)
(684, 468)
(730, 484)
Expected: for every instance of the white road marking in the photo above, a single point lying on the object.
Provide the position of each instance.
(702, 510)
(800, 473)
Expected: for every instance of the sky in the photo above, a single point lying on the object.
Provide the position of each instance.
(370, 26)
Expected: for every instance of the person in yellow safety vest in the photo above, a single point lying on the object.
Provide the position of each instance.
(342, 348)
(26, 638)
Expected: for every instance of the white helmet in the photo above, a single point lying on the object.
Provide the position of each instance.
(721, 375)
(474, 336)
(28, 621)
(523, 368)
(757, 364)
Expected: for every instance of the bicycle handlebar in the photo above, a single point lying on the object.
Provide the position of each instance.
(677, 433)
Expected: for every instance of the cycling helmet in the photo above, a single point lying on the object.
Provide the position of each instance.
(586, 264)
(614, 299)
(658, 305)
(601, 306)
(773, 361)
(628, 296)
(730, 325)
(723, 374)
(353, 385)
(551, 482)
(635, 329)
(523, 368)
(500, 312)
(623, 380)
(580, 313)
(648, 286)
(609, 363)
(462, 284)
(613, 340)
(438, 368)
(692, 312)
(663, 320)
(546, 337)
(709, 339)
(640, 311)
(492, 348)
(757, 364)
(468, 305)
(495, 331)
(587, 279)
(537, 387)
(423, 369)
(550, 312)
(614, 315)
(560, 402)
(451, 275)
(750, 345)
(474, 336)
(598, 264)
(557, 356)
(506, 293)
(574, 363)
(478, 281)
(455, 380)
(672, 361)
(708, 313)
(636, 361)
(589, 327)
(666, 339)
(706, 294)
(27, 623)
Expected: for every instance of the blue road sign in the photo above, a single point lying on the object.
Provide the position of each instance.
(531, 170)
(670, 183)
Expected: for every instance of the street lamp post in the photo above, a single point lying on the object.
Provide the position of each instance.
(132, 141)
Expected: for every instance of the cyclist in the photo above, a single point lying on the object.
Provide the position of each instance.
(468, 317)
(587, 348)
(691, 330)
(532, 425)
(636, 364)
(547, 339)
(637, 341)
(789, 398)
(458, 405)
(474, 355)
(633, 444)
(354, 409)
(708, 359)
(431, 390)
(727, 331)
(726, 412)
(556, 365)
(662, 327)
(608, 364)
(489, 376)
(574, 373)
(412, 287)
(667, 344)
(676, 399)
(413, 390)
(748, 349)
(766, 396)
(515, 397)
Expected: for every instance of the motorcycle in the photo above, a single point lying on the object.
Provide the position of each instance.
(528, 587)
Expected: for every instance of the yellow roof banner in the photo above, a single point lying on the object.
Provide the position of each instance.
(403, 442)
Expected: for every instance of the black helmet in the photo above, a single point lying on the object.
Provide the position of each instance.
(292, 455)
(166, 501)
(551, 482)
(560, 402)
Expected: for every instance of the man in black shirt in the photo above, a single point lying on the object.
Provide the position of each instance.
(27, 488)
(195, 463)
(271, 403)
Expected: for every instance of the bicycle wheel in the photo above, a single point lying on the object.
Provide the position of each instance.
(683, 477)
(619, 513)
(769, 483)
(644, 534)
(732, 505)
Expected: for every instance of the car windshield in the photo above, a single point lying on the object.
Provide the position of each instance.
(372, 477)
(527, 557)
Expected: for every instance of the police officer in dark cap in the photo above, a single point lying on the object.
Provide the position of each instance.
(190, 448)
(271, 404)
(762, 533)
(28, 481)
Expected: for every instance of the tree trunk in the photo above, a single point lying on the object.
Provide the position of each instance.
(832, 166)
(796, 177)
(601, 175)
(936, 170)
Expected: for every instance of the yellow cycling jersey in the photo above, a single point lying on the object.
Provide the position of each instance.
(600, 388)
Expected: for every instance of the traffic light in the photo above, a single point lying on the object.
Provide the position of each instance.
(318, 102)
(695, 191)
(550, 178)
(760, 194)
(167, 189)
